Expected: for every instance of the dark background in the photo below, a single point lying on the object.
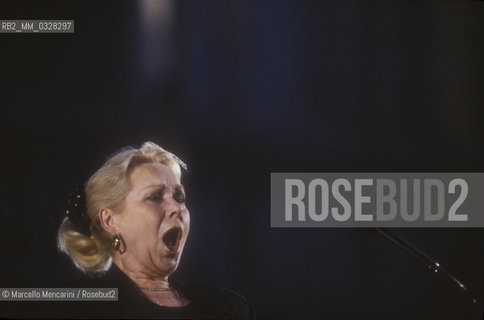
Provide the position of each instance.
(239, 90)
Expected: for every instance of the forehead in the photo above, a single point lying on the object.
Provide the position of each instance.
(148, 174)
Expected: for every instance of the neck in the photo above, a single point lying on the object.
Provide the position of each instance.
(141, 277)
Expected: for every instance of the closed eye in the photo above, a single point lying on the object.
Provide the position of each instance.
(156, 197)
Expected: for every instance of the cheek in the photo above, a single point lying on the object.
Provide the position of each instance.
(186, 222)
(140, 230)
(186, 219)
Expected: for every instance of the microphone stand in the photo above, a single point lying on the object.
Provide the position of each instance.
(432, 265)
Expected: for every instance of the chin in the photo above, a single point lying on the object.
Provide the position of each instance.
(168, 263)
(168, 269)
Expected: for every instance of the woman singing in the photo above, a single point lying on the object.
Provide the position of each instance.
(130, 224)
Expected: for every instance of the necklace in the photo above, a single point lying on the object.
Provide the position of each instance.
(156, 289)
(175, 292)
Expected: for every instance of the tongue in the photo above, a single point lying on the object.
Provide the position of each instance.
(171, 245)
(171, 239)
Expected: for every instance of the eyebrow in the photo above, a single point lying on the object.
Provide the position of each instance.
(163, 186)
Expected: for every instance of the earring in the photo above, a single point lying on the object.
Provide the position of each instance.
(116, 242)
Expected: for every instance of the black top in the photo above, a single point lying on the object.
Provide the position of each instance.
(206, 303)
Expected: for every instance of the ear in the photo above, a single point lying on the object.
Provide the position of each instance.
(108, 220)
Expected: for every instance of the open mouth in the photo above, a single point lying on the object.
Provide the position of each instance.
(171, 239)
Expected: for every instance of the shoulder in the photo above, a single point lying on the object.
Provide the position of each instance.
(238, 303)
(233, 302)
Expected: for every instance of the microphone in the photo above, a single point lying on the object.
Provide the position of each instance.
(433, 266)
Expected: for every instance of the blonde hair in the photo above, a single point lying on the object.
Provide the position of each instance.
(107, 188)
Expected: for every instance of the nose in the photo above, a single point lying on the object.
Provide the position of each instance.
(174, 209)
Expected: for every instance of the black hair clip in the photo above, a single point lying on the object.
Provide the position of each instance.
(77, 212)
